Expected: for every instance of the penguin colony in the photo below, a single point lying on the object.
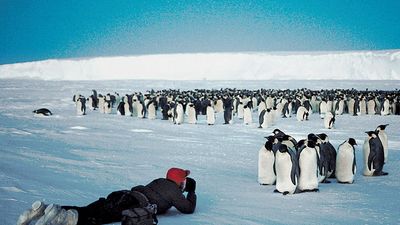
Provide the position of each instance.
(292, 166)
(185, 106)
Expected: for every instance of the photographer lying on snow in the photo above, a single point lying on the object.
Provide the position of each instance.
(137, 206)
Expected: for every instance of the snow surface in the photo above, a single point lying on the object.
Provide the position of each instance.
(74, 160)
(362, 65)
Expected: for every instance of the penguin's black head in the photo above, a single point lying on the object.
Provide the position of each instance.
(277, 131)
(352, 141)
(371, 133)
(271, 138)
(382, 127)
(269, 143)
(301, 143)
(311, 143)
(322, 136)
(312, 137)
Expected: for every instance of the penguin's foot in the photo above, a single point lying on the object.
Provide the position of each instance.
(285, 193)
(276, 191)
(380, 173)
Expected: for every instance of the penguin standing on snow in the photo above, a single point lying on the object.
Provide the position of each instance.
(210, 114)
(346, 162)
(121, 109)
(286, 167)
(373, 155)
(191, 111)
(127, 106)
(308, 166)
(383, 137)
(140, 109)
(178, 113)
(247, 115)
(240, 110)
(266, 161)
(81, 106)
(329, 120)
(228, 107)
(302, 113)
(42, 112)
(323, 108)
(330, 154)
(151, 109)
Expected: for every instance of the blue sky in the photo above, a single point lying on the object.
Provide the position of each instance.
(36, 30)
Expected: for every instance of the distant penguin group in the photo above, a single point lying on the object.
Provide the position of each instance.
(247, 106)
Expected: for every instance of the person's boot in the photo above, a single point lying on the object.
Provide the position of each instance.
(50, 213)
(31, 214)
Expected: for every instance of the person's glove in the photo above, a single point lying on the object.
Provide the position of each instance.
(190, 185)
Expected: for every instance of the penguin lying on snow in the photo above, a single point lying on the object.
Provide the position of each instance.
(42, 112)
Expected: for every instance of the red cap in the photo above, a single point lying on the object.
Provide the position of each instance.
(177, 175)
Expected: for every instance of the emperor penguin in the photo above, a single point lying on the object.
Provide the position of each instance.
(192, 117)
(140, 109)
(219, 105)
(240, 110)
(135, 106)
(210, 115)
(339, 107)
(350, 105)
(346, 162)
(362, 106)
(302, 113)
(81, 106)
(127, 106)
(151, 109)
(371, 106)
(247, 115)
(308, 166)
(107, 107)
(329, 154)
(42, 112)
(261, 119)
(329, 120)
(329, 104)
(101, 103)
(322, 158)
(269, 102)
(254, 102)
(286, 167)
(314, 103)
(384, 139)
(287, 109)
(323, 108)
(92, 102)
(178, 114)
(373, 155)
(261, 107)
(121, 109)
(266, 161)
(228, 107)
(385, 109)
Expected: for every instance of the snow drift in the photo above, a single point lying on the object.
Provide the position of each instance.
(362, 65)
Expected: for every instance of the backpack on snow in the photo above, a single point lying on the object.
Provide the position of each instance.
(140, 216)
(144, 215)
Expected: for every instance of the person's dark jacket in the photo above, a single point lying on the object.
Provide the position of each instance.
(165, 194)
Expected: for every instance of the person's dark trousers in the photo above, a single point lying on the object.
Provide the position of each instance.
(105, 210)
